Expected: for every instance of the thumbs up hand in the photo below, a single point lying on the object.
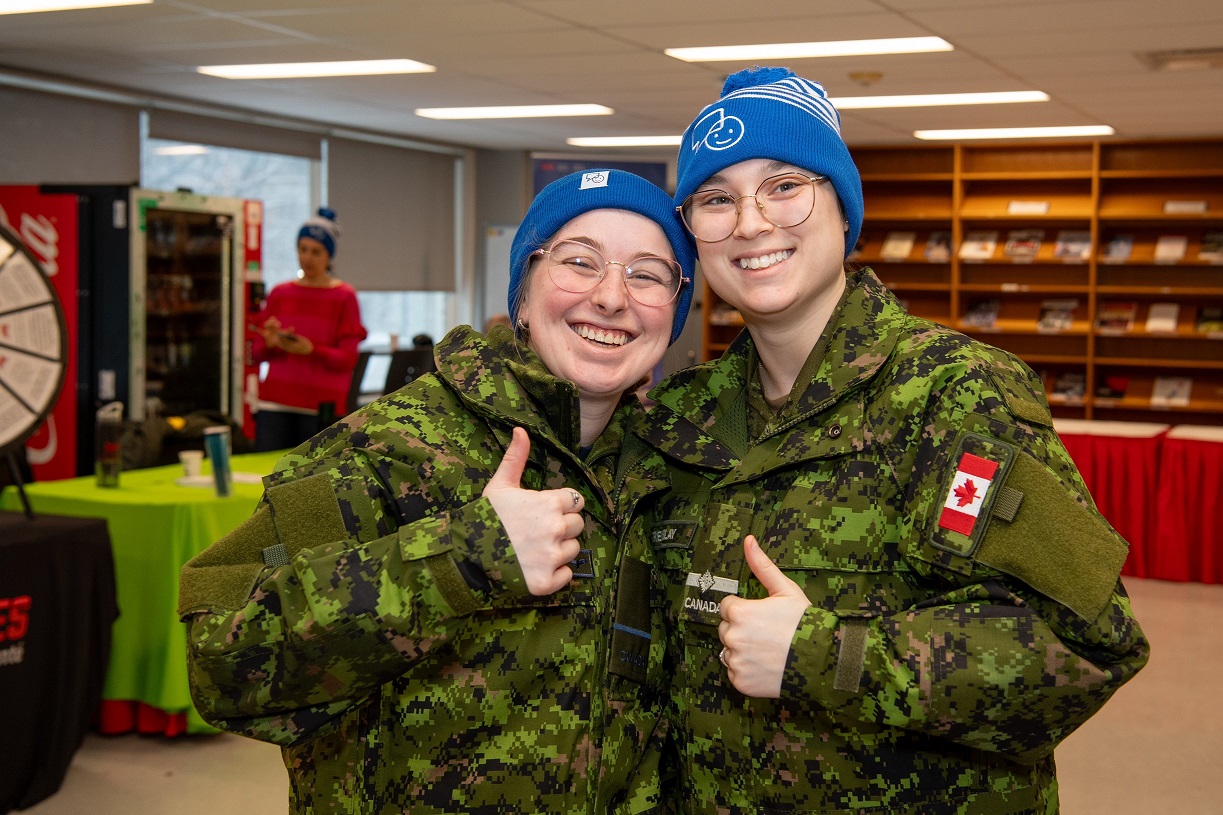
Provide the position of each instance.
(543, 525)
(757, 633)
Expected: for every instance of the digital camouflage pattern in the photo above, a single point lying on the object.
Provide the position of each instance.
(929, 675)
(398, 658)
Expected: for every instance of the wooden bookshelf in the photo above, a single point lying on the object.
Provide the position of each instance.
(1116, 193)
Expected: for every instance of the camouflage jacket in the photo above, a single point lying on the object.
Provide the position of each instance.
(395, 653)
(966, 611)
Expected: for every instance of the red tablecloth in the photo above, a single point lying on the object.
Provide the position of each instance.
(1189, 504)
(1121, 462)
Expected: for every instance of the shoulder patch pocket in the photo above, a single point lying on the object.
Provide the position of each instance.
(1003, 512)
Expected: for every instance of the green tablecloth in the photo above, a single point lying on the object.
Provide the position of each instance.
(155, 527)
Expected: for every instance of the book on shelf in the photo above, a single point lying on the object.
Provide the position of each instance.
(982, 314)
(1170, 248)
(1113, 387)
(1056, 315)
(938, 247)
(1072, 245)
(1116, 317)
(897, 245)
(1162, 317)
(723, 314)
(979, 245)
(1118, 248)
(1211, 248)
(1069, 387)
(1023, 244)
(1209, 320)
(1171, 391)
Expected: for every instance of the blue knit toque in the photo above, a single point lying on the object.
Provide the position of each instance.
(323, 228)
(772, 113)
(566, 198)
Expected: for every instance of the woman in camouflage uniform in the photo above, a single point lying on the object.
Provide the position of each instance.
(425, 627)
(889, 588)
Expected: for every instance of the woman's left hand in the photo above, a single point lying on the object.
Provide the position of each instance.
(756, 634)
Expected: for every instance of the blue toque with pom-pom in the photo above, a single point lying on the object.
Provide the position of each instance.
(771, 113)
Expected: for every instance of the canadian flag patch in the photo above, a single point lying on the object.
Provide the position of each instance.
(966, 495)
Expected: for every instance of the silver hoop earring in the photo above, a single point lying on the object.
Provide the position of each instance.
(520, 326)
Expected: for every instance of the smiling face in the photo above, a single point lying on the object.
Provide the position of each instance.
(602, 340)
(776, 277)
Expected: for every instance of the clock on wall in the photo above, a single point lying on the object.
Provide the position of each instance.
(33, 344)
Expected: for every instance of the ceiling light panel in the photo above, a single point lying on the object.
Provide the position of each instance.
(937, 100)
(1015, 133)
(299, 70)
(32, 6)
(805, 50)
(626, 141)
(514, 112)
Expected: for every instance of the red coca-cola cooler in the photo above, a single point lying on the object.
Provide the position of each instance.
(156, 287)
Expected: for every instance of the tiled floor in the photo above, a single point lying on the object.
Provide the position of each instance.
(1156, 748)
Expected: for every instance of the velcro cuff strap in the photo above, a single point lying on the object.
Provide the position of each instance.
(451, 584)
(222, 576)
(851, 656)
(1055, 545)
(306, 513)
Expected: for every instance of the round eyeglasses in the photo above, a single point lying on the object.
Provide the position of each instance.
(784, 200)
(578, 267)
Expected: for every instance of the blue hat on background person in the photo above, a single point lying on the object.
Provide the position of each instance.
(566, 198)
(323, 228)
(772, 113)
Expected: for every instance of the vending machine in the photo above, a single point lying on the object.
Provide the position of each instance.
(156, 286)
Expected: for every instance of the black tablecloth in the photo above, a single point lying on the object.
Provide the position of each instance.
(57, 604)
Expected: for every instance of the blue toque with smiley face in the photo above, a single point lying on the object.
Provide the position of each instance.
(772, 113)
(577, 193)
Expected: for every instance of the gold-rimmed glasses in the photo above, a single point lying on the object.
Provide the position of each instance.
(578, 267)
(784, 200)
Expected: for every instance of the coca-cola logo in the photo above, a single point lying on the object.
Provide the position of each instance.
(40, 236)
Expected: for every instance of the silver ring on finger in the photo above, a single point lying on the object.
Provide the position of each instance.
(722, 657)
(576, 498)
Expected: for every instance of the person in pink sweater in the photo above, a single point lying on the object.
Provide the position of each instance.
(309, 334)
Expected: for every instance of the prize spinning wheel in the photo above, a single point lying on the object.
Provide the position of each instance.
(33, 349)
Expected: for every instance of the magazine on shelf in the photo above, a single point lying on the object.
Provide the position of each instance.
(1162, 317)
(1023, 244)
(1118, 248)
(979, 245)
(982, 314)
(1072, 245)
(1056, 315)
(1113, 387)
(938, 247)
(1210, 320)
(1211, 248)
(1171, 391)
(1069, 388)
(1116, 317)
(1170, 248)
(897, 245)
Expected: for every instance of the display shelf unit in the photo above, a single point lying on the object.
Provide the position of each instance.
(1078, 228)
